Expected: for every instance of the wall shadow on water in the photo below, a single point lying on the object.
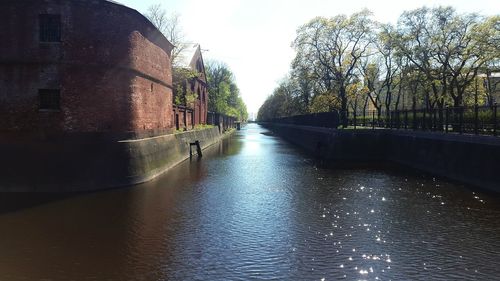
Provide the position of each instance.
(15, 201)
(194, 168)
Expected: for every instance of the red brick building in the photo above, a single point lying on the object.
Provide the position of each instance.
(191, 114)
(80, 66)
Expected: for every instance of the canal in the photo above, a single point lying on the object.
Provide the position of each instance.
(256, 208)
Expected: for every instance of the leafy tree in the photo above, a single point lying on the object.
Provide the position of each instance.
(335, 46)
(489, 39)
(182, 79)
(431, 58)
(223, 93)
(448, 48)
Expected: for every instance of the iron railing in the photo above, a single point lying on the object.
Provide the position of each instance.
(323, 119)
(477, 120)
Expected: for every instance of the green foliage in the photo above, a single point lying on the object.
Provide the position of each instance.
(430, 59)
(223, 93)
(182, 79)
(283, 102)
(203, 126)
(324, 103)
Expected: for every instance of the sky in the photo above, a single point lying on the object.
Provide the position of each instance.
(253, 37)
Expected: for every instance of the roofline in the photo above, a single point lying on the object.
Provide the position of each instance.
(112, 2)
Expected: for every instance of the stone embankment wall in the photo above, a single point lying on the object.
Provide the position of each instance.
(83, 163)
(473, 160)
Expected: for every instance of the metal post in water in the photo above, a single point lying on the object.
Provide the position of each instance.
(198, 149)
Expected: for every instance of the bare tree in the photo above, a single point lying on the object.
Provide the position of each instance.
(169, 26)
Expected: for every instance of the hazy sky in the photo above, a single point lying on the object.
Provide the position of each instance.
(253, 37)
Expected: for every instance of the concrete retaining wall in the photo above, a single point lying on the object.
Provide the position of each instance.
(92, 162)
(474, 160)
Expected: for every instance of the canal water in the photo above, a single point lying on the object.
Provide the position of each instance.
(256, 208)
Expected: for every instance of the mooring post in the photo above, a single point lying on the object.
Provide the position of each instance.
(198, 149)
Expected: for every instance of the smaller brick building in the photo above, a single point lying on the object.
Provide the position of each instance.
(188, 113)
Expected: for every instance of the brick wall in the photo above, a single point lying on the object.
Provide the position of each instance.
(112, 68)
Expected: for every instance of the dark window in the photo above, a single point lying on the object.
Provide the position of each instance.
(199, 66)
(49, 99)
(50, 28)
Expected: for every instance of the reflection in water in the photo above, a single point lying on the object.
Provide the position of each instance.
(255, 208)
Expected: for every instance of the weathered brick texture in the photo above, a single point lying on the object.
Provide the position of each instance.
(112, 68)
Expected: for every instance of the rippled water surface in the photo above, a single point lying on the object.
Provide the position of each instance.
(254, 208)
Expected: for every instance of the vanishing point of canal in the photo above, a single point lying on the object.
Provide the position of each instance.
(255, 208)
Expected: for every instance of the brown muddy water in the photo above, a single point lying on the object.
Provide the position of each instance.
(255, 208)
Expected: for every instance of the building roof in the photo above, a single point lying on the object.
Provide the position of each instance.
(159, 35)
(186, 56)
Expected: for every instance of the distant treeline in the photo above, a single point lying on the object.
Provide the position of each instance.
(432, 58)
(223, 93)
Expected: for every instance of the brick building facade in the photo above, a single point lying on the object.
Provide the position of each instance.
(82, 66)
(189, 115)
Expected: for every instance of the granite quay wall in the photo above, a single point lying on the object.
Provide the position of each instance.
(86, 162)
(473, 160)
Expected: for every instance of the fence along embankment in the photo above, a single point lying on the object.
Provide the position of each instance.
(470, 159)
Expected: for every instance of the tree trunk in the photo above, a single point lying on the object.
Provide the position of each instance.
(343, 101)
